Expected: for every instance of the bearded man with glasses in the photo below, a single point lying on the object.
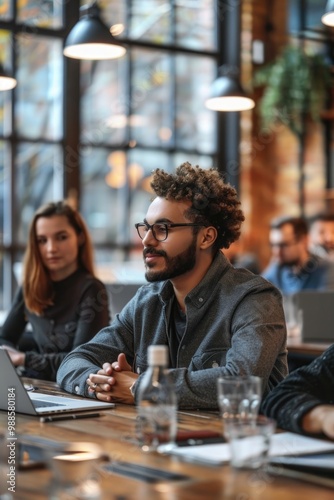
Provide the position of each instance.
(215, 319)
(293, 267)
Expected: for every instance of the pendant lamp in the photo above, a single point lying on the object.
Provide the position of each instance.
(328, 17)
(90, 38)
(7, 82)
(227, 93)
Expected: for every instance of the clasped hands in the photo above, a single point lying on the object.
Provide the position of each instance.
(113, 381)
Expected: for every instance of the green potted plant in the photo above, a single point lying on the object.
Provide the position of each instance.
(296, 89)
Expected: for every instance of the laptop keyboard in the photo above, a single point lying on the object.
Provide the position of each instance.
(44, 404)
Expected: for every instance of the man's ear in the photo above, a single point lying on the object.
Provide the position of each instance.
(208, 237)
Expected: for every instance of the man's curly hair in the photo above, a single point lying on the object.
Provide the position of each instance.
(214, 203)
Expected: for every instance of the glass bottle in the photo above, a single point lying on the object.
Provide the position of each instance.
(157, 402)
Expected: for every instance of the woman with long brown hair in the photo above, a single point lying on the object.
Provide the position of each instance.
(62, 300)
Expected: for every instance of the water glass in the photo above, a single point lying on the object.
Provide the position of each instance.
(239, 397)
(293, 317)
(74, 474)
(250, 442)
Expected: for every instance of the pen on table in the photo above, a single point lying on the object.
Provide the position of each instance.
(188, 414)
(197, 442)
(57, 418)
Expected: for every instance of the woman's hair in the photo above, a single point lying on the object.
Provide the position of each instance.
(37, 285)
(213, 203)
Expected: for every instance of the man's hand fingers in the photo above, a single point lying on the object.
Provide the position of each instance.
(106, 369)
(121, 364)
(103, 396)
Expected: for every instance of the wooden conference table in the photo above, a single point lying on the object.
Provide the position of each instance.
(114, 431)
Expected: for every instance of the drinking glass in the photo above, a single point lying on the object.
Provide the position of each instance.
(250, 442)
(239, 397)
(74, 474)
(293, 317)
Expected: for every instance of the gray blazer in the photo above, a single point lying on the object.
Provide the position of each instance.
(235, 326)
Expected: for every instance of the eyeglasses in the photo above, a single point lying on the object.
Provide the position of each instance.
(159, 229)
(283, 244)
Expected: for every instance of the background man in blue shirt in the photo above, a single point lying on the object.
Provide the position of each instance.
(293, 268)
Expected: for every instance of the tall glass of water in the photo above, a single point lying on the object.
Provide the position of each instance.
(239, 397)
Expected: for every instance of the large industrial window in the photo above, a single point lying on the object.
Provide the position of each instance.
(117, 119)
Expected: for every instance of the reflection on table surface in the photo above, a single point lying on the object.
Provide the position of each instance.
(114, 431)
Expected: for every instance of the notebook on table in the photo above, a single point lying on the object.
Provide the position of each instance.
(14, 396)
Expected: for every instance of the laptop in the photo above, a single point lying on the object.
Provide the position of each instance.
(318, 315)
(13, 395)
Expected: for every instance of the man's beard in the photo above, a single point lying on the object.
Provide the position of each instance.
(175, 266)
(290, 263)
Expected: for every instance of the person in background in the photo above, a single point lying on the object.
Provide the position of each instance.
(215, 319)
(293, 268)
(62, 300)
(321, 231)
(304, 401)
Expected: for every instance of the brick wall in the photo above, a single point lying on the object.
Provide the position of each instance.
(269, 162)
